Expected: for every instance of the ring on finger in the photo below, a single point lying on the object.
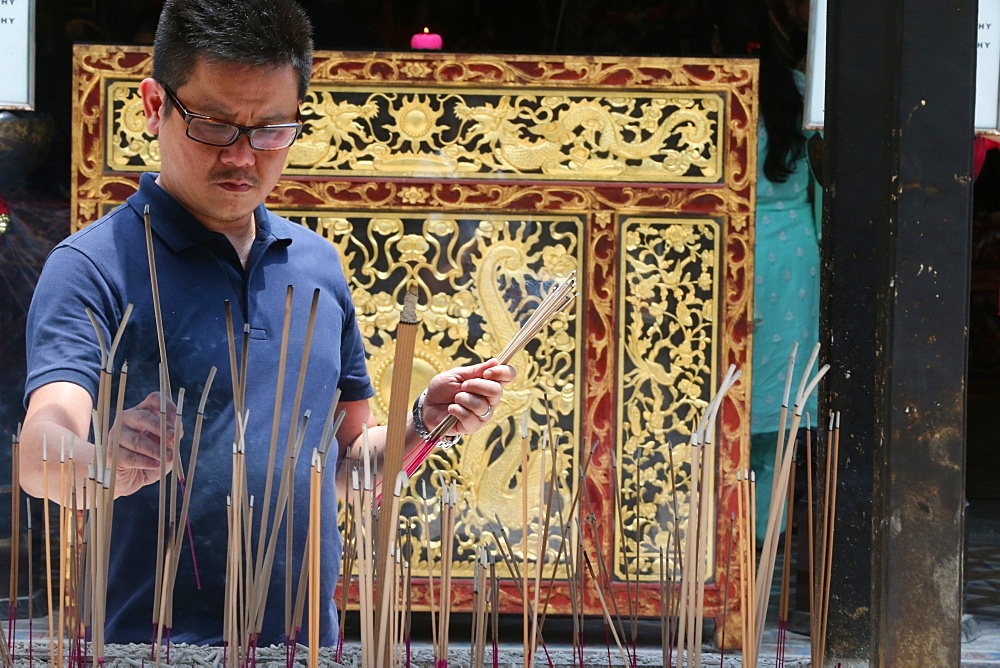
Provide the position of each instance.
(489, 411)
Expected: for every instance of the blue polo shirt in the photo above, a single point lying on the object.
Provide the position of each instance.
(104, 267)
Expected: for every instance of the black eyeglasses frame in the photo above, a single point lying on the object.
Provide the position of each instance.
(189, 116)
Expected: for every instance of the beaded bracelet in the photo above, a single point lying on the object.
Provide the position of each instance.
(421, 428)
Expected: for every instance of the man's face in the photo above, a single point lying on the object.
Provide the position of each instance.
(222, 185)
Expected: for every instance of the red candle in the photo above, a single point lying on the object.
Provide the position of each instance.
(426, 40)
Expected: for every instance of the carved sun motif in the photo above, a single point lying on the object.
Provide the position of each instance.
(429, 358)
(415, 121)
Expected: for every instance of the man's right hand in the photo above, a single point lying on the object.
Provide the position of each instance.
(60, 415)
(139, 444)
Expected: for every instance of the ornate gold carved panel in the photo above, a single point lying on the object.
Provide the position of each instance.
(481, 134)
(479, 277)
(667, 369)
(484, 180)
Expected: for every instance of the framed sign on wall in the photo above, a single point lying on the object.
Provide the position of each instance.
(987, 115)
(17, 54)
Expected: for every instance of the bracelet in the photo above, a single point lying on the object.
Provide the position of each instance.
(421, 428)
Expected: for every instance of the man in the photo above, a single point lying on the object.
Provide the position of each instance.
(223, 101)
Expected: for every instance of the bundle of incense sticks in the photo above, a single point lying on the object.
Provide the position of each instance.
(383, 628)
(779, 491)
(691, 597)
(554, 303)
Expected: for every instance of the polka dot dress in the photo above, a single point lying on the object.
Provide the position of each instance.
(786, 288)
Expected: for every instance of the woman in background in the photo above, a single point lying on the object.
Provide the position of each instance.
(786, 251)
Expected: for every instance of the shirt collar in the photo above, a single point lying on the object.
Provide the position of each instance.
(179, 230)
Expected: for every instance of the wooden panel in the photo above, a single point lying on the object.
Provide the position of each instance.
(485, 180)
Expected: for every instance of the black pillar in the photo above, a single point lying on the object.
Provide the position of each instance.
(896, 257)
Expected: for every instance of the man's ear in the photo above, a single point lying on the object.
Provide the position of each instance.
(152, 104)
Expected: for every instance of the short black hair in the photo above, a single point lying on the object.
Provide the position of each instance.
(258, 33)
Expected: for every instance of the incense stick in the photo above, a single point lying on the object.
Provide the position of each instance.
(155, 287)
(746, 571)
(279, 391)
(565, 526)
(31, 579)
(603, 578)
(15, 535)
(786, 566)
(539, 551)
(810, 535)
(315, 527)
(617, 513)
(829, 523)
(524, 534)
(425, 534)
(63, 548)
(604, 608)
(48, 541)
(395, 443)
(161, 507)
(386, 579)
(363, 531)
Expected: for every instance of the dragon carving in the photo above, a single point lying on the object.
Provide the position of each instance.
(587, 136)
(493, 482)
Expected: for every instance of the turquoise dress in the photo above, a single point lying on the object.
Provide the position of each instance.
(786, 288)
(785, 308)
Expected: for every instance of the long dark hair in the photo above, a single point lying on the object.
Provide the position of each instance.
(747, 28)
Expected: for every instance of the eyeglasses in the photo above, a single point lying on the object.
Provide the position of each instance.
(214, 132)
